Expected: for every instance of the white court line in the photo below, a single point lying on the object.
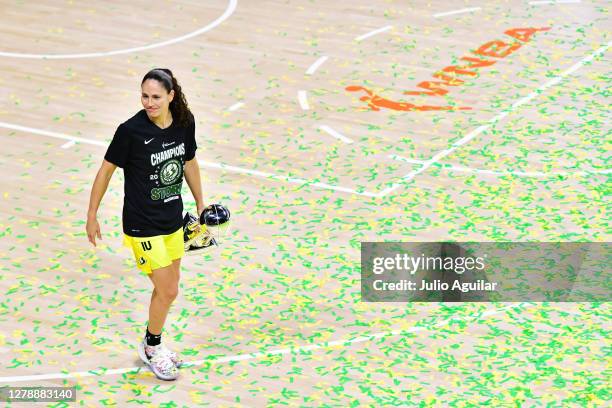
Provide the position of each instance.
(51, 134)
(222, 166)
(311, 70)
(235, 106)
(450, 13)
(536, 3)
(471, 135)
(335, 134)
(303, 100)
(372, 33)
(231, 7)
(493, 120)
(251, 356)
(68, 145)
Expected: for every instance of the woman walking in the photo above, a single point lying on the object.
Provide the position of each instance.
(155, 148)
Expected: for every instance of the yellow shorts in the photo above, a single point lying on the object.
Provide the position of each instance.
(156, 252)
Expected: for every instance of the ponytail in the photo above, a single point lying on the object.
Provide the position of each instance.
(178, 107)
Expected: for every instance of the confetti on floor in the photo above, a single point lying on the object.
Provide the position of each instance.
(273, 317)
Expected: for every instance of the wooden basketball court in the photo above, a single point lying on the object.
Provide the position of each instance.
(320, 125)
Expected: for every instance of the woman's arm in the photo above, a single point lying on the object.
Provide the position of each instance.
(192, 175)
(97, 192)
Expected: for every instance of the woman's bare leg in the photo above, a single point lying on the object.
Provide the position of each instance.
(165, 281)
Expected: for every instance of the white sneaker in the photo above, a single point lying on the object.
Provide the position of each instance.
(176, 359)
(158, 360)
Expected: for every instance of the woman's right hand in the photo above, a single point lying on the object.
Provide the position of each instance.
(93, 229)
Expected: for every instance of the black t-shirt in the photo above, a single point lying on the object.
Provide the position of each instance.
(152, 160)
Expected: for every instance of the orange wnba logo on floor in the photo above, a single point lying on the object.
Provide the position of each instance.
(448, 75)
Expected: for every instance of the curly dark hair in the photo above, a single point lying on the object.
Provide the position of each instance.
(178, 107)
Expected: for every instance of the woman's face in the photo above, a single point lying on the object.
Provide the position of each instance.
(155, 99)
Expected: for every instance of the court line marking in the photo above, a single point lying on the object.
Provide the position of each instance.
(541, 2)
(315, 65)
(69, 144)
(535, 174)
(202, 163)
(303, 99)
(231, 7)
(235, 106)
(450, 13)
(372, 33)
(48, 133)
(335, 134)
(427, 164)
(287, 350)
